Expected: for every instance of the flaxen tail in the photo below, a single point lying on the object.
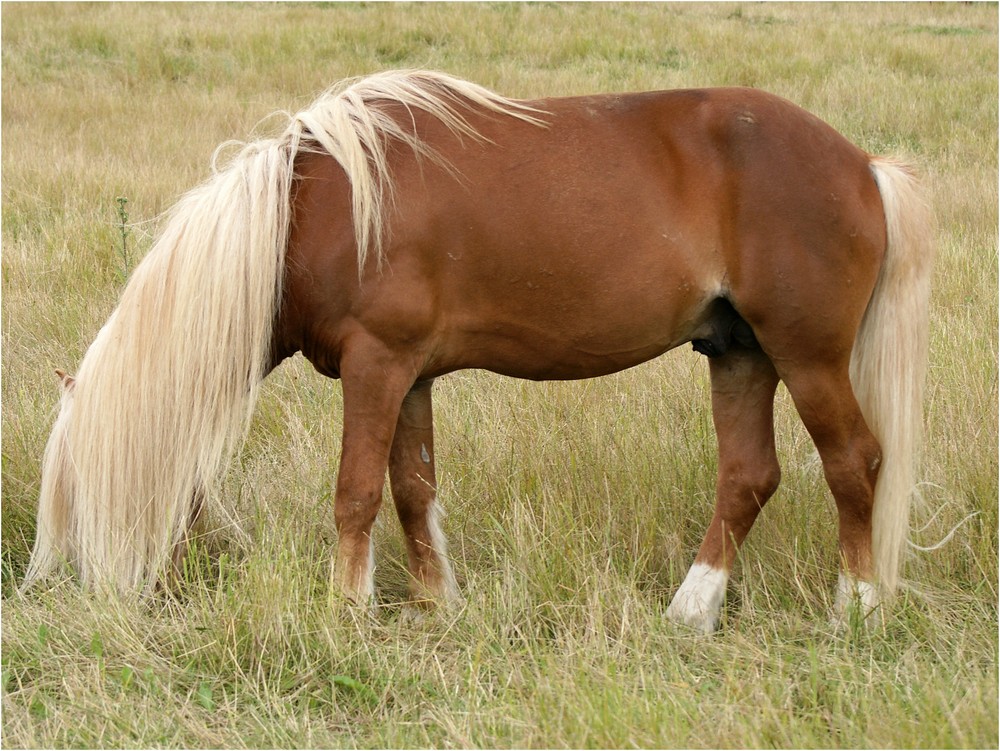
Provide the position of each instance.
(890, 360)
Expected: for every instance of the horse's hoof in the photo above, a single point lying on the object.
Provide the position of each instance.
(856, 602)
(698, 602)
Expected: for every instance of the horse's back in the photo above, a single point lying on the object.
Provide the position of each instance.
(602, 239)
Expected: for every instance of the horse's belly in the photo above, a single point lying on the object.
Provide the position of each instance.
(567, 333)
(544, 358)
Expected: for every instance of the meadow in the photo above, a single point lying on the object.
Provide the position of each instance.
(573, 509)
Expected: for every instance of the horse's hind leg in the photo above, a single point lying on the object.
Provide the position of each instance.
(743, 386)
(851, 458)
(411, 474)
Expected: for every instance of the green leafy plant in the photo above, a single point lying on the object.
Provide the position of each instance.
(124, 231)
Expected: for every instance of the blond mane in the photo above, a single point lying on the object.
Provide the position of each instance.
(166, 391)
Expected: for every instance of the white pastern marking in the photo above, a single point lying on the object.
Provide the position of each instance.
(357, 584)
(440, 546)
(370, 578)
(850, 592)
(699, 599)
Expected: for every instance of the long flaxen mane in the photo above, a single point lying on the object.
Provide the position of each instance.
(166, 391)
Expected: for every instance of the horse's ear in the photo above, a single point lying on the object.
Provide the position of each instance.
(65, 379)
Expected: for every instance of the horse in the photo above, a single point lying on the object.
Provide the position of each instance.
(410, 224)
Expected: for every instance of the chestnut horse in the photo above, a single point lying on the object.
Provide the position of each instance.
(411, 224)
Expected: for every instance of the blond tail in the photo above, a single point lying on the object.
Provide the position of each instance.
(890, 359)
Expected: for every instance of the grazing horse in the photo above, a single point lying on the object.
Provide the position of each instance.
(410, 224)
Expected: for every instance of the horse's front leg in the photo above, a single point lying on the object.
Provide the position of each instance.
(411, 473)
(375, 382)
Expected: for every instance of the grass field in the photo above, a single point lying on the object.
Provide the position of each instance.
(573, 509)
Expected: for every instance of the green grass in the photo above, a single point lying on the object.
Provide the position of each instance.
(573, 509)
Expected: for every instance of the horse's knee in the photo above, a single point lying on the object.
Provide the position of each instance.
(355, 508)
(412, 486)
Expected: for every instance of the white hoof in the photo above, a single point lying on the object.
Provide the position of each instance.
(698, 602)
(856, 596)
(353, 582)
